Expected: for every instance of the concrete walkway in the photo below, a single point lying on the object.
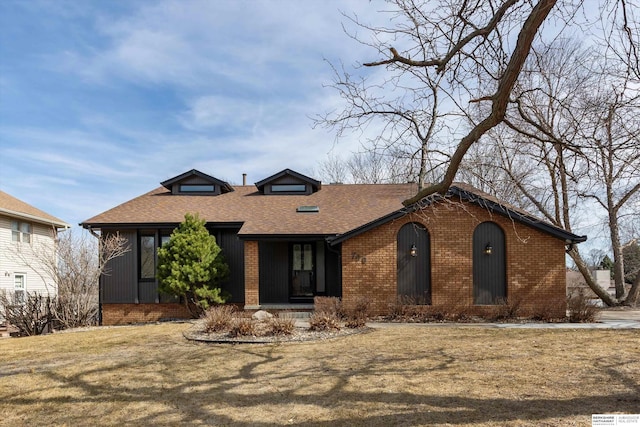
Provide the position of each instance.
(607, 319)
(621, 318)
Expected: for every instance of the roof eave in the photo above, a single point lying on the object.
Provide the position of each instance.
(533, 222)
(285, 237)
(334, 240)
(35, 218)
(169, 182)
(148, 225)
(566, 236)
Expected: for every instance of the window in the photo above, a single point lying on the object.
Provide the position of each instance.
(288, 188)
(164, 239)
(308, 209)
(19, 289)
(148, 257)
(197, 188)
(20, 231)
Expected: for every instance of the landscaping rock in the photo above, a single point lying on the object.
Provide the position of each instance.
(261, 315)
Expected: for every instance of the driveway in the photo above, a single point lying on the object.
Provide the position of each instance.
(616, 318)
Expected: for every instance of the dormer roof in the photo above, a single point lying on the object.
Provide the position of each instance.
(288, 181)
(196, 183)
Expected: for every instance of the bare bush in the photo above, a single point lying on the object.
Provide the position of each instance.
(408, 309)
(218, 318)
(580, 308)
(324, 322)
(329, 305)
(31, 316)
(507, 309)
(549, 312)
(75, 266)
(357, 316)
(242, 327)
(280, 325)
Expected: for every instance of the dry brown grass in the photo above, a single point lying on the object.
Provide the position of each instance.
(399, 375)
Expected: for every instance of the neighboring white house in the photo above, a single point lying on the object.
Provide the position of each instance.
(576, 282)
(26, 232)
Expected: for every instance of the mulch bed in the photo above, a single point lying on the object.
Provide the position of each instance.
(299, 334)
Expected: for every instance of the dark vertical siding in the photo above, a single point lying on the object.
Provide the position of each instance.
(414, 273)
(233, 251)
(333, 271)
(489, 271)
(274, 272)
(148, 292)
(119, 284)
(321, 269)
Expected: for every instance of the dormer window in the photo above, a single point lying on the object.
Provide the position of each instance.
(288, 188)
(197, 188)
(288, 182)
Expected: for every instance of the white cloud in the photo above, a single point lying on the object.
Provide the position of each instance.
(149, 90)
(195, 43)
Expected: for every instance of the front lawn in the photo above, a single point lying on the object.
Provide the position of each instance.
(399, 375)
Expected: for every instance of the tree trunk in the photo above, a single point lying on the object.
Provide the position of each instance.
(618, 264)
(584, 269)
(634, 293)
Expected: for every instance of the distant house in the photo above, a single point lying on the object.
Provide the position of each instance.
(289, 238)
(25, 231)
(576, 283)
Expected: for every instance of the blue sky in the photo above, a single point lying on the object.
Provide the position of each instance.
(100, 101)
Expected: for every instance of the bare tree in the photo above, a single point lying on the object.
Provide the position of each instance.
(612, 136)
(368, 167)
(471, 51)
(575, 125)
(466, 43)
(403, 119)
(75, 265)
(333, 169)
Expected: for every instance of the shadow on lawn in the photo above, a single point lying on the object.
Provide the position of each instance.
(271, 381)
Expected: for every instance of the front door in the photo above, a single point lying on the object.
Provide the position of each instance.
(489, 264)
(414, 264)
(302, 272)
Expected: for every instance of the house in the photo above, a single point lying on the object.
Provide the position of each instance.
(26, 235)
(289, 238)
(576, 283)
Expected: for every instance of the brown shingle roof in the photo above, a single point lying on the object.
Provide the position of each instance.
(346, 210)
(341, 208)
(14, 207)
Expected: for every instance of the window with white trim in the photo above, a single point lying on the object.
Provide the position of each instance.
(20, 231)
(19, 288)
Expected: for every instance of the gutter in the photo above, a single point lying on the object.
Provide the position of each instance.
(39, 219)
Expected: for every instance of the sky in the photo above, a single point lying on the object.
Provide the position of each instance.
(100, 101)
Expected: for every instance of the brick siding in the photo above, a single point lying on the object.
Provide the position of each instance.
(121, 314)
(535, 261)
(251, 274)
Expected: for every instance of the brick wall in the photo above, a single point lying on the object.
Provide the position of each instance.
(251, 274)
(535, 261)
(121, 314)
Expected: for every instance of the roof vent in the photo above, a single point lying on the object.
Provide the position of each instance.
(308, 209)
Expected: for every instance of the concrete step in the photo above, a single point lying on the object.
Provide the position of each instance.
(294, 314)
